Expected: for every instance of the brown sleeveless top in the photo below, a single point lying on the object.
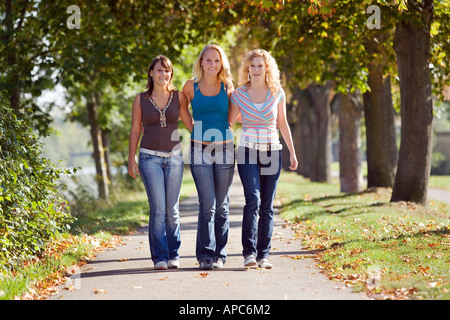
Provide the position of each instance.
(160, 126)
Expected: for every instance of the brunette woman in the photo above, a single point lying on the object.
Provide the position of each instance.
(158, 109)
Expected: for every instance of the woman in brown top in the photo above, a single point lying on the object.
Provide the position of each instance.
(160, 160)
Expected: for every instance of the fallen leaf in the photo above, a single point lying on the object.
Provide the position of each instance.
(124, 259)
(202, 275)
(293, 257)
(163, 278)
(100, 291)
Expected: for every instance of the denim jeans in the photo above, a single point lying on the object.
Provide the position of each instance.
(259, 172)
(162, 180)
(212, 170)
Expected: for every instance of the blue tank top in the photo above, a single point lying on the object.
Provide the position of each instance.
(210, 116)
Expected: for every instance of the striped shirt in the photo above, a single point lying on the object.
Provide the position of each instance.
(258, 124)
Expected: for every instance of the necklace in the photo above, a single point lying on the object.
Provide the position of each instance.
(213, 88)
(162, 113)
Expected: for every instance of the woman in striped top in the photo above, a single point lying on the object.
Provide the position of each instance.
(261, 102)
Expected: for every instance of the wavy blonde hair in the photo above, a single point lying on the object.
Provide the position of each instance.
(274, 82)
(224, 74)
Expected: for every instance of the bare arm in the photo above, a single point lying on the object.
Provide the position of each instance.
(188, 90)
(233, 113)
(184, 112)
(286, 133)
(135, 134)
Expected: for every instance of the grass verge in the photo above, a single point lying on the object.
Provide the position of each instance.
(440, 182)
(388, 250)
(93, 231)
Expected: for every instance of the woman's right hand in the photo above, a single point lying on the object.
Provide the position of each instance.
(133, 168)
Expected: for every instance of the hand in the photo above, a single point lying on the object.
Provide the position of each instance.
(294, 162)
(133, 168)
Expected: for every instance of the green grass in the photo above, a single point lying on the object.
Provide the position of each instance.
(127, 214)
(37, 278)
(398, 250)
(93, 231)
(440, 182)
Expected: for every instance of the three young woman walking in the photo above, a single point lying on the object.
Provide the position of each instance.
(215, 104)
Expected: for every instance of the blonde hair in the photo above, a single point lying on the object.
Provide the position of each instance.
(224, 74)
(273, 73)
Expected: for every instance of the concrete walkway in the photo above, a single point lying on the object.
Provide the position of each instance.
(439, 195)
(127, 271)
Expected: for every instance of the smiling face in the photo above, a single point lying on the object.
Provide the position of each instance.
(257, 69)
(161, 75)
(211, 62)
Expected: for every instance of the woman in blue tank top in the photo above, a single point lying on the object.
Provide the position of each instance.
(212, 152)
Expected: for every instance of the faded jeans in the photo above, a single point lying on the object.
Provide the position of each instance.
(162, 180)
(259, 172)
(212, 170)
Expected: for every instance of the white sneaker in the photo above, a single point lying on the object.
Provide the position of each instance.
(173, 264)
(162, 265)
(250, 261)
(265, 263)
(218, 264)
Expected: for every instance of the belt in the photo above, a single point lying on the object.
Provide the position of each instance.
(163, 154)
(215, 145)
(261, 146)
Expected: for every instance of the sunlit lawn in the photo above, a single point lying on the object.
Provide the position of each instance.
(389, 250)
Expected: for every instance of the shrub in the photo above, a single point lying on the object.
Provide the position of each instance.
(31, 208)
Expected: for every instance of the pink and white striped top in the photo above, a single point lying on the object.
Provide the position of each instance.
(259, 125)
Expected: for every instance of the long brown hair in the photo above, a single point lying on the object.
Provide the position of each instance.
(165, 63)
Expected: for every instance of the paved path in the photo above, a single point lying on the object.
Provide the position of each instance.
(439, 195)
(127, 272)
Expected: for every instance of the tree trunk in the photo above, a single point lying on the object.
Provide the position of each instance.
(382, 152)
(350, 114)
(312, 132)
(412, 47)
(13, 86)
(99, 155)
(106, 141)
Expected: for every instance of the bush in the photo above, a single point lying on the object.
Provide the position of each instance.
(31, 208)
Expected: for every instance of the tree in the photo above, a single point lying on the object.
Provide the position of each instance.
(350, 113)
(379, 114)
(412, 47)
(125, 41)
(25, 49)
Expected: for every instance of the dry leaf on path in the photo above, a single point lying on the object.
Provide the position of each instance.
(100, 291)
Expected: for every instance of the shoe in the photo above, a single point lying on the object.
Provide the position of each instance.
(218, 264)
(173, 264)
(162, 265)
(265, 263)
(206, 265)
(250, 261)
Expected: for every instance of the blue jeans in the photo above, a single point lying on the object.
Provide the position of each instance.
(212, 171)
(259, 172)
(162, 180)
